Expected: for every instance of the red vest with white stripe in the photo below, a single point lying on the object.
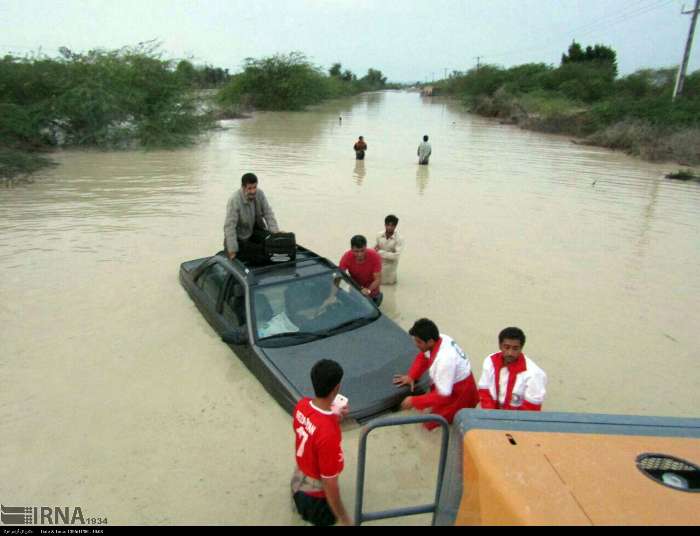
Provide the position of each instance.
(525, 388)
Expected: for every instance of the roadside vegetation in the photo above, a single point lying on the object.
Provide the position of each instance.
(103, 99)
(132, 97)
(292, 82)
(584, 97)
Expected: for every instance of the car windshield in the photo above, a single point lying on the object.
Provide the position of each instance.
(298, 311)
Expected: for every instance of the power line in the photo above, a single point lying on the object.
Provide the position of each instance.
(628, 11)
(623, 15)
(624, 18)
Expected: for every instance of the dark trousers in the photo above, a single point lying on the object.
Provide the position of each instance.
(360, 155)
(314, 509)
(252, 250)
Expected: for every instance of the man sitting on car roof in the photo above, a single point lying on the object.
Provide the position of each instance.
(249, 220)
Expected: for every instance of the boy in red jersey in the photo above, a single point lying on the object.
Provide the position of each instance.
(319, 454)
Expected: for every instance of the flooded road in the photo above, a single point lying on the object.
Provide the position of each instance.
(118, 397)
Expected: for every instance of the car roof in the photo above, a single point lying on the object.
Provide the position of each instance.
(307, 263)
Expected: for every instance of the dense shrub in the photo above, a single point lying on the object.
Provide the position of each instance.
(280, 82)
(584, 97)
(102, 99)
(292, 82)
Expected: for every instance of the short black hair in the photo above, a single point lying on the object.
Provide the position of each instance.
(424, 329)
(512, 333)
(325, 376)
(249, 178)
(425, 138)
(391, 219)
(358, 241)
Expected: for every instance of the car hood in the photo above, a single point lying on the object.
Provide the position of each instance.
(370, 356)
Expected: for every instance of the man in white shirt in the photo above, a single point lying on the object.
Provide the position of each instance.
(389, 246)
(424, 151)
(509, 379)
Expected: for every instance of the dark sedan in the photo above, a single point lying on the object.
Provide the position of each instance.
(282, 318)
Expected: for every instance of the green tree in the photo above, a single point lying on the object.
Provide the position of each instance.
(374, 79)
(186, 71)
(280, 82)
(335, 69)
(575, 54)
(600, 55)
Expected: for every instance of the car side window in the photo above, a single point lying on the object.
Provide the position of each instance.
(234, 304)
(212, 281)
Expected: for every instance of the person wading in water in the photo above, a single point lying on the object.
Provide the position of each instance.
(360, 148)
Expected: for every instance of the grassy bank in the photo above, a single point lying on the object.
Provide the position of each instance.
(586, 99)
(291, 82)
(105, 99)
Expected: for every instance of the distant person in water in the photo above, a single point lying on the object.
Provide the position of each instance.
(424, 152)
(360, 148)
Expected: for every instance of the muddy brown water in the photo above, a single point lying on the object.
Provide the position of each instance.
(119, 398)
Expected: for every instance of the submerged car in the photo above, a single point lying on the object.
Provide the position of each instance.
(281, 318)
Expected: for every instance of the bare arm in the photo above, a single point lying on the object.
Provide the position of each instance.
(376, 282)
(332, 491)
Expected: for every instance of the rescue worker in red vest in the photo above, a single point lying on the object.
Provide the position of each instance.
(453, 387)
(510, 379)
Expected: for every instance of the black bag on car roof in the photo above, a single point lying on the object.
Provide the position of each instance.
(280, 247)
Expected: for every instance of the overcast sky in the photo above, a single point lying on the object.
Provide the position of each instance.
(407, 40)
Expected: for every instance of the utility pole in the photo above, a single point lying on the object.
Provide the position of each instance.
(478, 62)
(680, 80)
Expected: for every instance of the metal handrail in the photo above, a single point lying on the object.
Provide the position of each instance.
(407, 511)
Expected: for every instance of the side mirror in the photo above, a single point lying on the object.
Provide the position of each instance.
(235, 336)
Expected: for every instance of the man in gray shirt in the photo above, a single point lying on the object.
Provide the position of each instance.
(249, 220)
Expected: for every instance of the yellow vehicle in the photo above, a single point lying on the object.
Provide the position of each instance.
(539, 468)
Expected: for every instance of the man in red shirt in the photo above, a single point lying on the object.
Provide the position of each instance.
(319, 454)
(365, 267)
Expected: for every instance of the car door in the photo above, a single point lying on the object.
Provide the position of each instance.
(233, 303)
(237, 313)
(211, 283)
